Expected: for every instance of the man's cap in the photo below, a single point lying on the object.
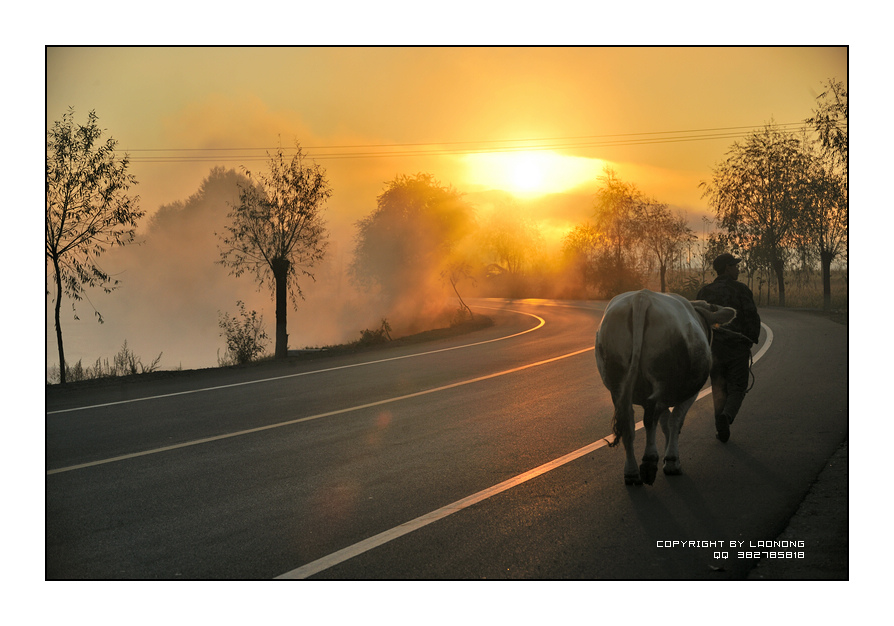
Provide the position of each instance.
(723, 261)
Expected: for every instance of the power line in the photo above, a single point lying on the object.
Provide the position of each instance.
(358, 151)
(448, 143)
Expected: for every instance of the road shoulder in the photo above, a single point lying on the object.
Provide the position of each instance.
(821, 522)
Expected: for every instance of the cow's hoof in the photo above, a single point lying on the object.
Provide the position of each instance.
(648, 470)
(632, 479)
(672, 466)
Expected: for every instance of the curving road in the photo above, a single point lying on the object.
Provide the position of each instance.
(477, 457)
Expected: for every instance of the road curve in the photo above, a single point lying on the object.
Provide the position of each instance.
(259, 479)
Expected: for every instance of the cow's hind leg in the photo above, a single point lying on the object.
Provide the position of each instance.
(649, 468)
(631, 471)
(671, 458)
(672, 424)
(627, 433)
(625, 429)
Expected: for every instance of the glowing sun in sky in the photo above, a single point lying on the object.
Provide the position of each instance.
(530, 172)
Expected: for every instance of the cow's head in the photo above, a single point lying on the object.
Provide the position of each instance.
(713, 315)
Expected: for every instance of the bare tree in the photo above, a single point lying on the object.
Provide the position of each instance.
(455, 272)
(88, 210)
(277, 230)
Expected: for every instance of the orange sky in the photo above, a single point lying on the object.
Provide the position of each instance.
(451, 98)
(538, 122)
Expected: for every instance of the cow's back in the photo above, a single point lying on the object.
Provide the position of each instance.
(675, 356)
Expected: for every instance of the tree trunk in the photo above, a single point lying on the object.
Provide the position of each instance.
(280, 269)
(826, 263)
(463, 306)
(662, 271)
(778, 269)
(58, 324)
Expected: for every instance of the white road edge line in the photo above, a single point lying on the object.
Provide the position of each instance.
(359, 407)
(314, 567)
(329, 369)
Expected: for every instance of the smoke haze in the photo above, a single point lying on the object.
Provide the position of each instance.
(172, 288)
(366, 115)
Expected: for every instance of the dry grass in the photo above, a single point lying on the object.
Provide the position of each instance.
(801, 291)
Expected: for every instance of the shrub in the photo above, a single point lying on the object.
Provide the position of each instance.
(462, 315)
(380, 335)
(245, 336)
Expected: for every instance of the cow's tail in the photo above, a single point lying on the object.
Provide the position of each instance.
(622, 423)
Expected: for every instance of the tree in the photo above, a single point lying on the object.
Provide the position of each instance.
(756, 194)
(614, 210)
(661, 234)
(511, 239)
(277, 230)
(455, 272)
(581, 248)
(825, 217)
(88, 210)
(401, 248)
(830, 122)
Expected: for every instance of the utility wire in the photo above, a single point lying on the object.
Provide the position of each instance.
(447, 143)
(204, 155)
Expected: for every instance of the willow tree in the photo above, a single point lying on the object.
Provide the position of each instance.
(277, 231)
(88, 210)
(757, 193)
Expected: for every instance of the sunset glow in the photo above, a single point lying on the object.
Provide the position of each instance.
(530, 173)
(523, 134)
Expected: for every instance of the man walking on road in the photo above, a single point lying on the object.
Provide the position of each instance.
(731, 347)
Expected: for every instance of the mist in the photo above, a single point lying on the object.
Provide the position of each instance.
(172, 291)
(172, 288)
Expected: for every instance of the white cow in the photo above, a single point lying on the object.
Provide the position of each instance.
(653, 349)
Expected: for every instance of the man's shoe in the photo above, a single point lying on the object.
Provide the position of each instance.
(721, 423)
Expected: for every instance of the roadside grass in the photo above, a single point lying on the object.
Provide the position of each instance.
(802, 291)
(106, 372)
(124, 363)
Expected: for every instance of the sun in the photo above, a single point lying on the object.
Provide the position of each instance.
(530, 172)
(527, 171)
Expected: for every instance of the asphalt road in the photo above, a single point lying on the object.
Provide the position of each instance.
(476, 457)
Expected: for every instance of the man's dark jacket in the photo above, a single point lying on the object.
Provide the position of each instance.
(725, 291)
